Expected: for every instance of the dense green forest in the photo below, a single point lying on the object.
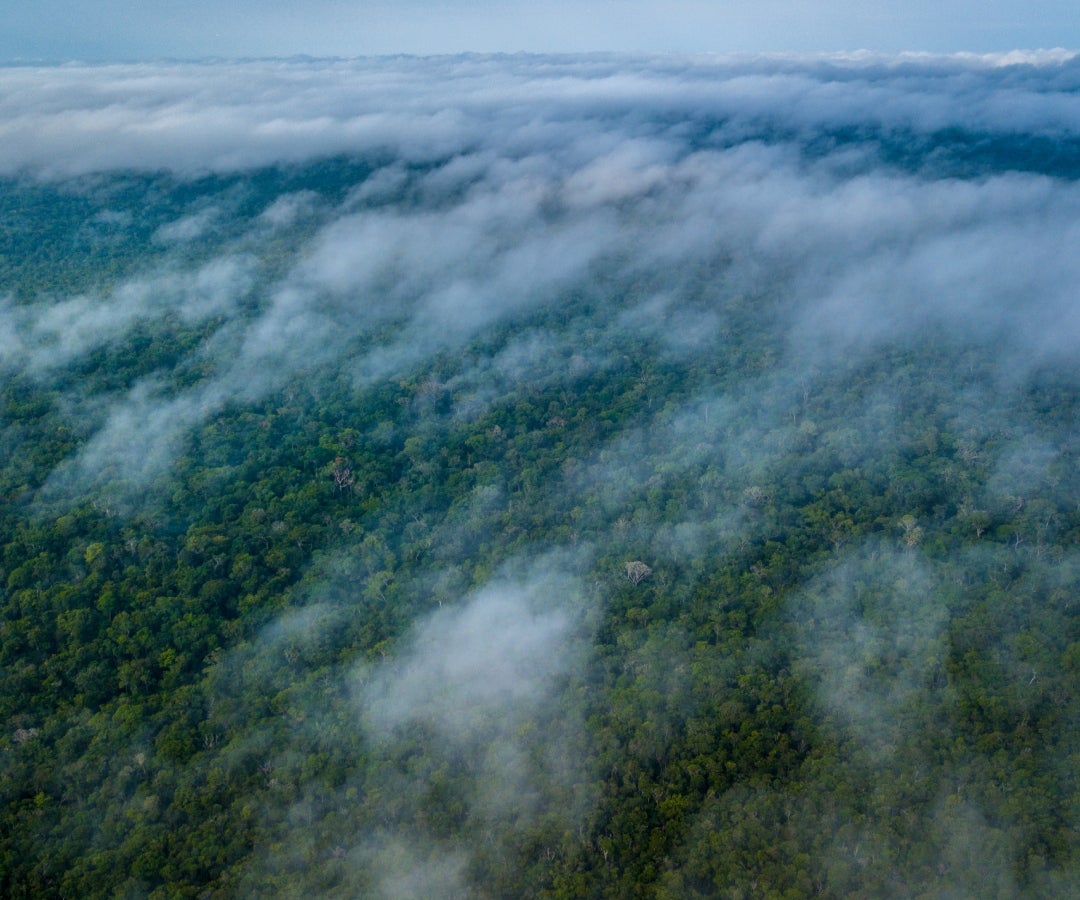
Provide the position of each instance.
(413, 528)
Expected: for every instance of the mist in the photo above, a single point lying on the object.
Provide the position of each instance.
(451, 344)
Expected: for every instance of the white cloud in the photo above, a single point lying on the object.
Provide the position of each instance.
(481, 670)
(191, 117)
(52, 332)
(500, 185)
(871, 636)
(188, 228)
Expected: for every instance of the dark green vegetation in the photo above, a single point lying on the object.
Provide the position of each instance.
(852, 670)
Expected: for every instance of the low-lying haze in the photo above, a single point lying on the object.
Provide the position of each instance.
(581, 344)
(881, 199)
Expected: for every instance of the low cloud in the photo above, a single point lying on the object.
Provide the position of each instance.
(486, 682)
(463, 736)
(872, 637)
(485, 686)
(51, 332)
(189, 228)
(288, 208)
(477, 670)
(852, 203)
(766, 229)
(191, 117)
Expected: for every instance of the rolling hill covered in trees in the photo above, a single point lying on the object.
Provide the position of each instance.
(540, 477)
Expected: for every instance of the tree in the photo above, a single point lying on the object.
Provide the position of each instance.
(637, 571)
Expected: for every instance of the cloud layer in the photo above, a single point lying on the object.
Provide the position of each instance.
(467, 229)
(190, 117)
(863, 201)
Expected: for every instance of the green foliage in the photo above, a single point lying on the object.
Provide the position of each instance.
(853, 669)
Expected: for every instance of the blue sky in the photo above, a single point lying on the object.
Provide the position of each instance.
(141, 30)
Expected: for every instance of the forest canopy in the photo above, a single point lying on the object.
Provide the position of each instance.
(591, 476)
